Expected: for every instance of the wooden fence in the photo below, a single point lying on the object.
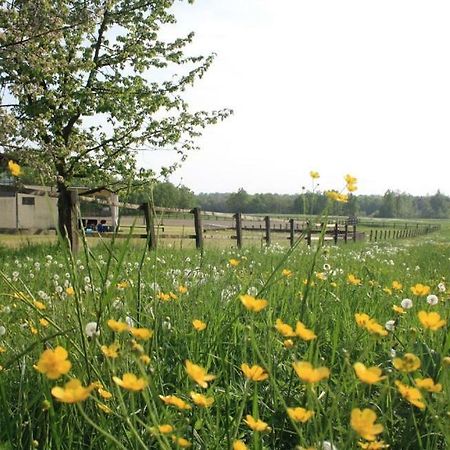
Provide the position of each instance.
(244, 227)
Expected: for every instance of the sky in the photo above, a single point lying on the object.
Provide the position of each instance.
(348, 86)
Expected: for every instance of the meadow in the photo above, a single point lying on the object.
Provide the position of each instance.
(329, 347)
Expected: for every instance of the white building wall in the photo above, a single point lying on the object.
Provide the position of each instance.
(8, 212)
(42, 215)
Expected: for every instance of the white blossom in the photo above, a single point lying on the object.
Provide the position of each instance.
(92, 330)
(432, 300)
(406, 303)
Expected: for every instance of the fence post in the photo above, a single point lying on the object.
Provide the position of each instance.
(336, 231)
(291, 232)
(308, 234)
(354, 232)
(371, 234)
(346, 232)
(376, 235)
(238, 219)
(268, 237)
(149, 225)
(74, 208)
(198, 228)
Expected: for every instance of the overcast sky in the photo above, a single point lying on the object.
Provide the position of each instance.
(337, 86)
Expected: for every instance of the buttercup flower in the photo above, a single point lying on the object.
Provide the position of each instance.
(252, 303)
(181, 442)
(420, 290)
(198, 374)
(72, 392)
(314, 175)
(131, 382)
(304, 333)
(410, 394)
(110, 351)
(14, 168)
(306, 372)
(363, 422)
(254, 373)
(284, 329)
(375, 445)
(431, 320)
(300, 414)
(397, 286)
(54, 363)
(353, 280)
(173, 400)
(256, 424)
(201, 400)
(198, 325)
(239, 445)
(369, 375)
(428, 384)
(118, 327)
(141, 333)
(234, 262)
(409, 363)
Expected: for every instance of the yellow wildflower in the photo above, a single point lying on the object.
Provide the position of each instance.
(105, 408)
(136, 346)
(410, 394)
(314, 175)
(110, 351)
(201, 400)
(254, 373)
(198, 374)
(181, 442)
(165, 428)
(363, 422)
(173, 296)
(398, 309)
(54, 363)
(131, 382)
(141, 333)
(198, 325)
(163, 297)
(288, 343)
(122, 285)
(300, 414)
(284, 329)
(72, 392)
(14, 168)
(234, 262)
(369, 375)
(420, 289)
(387, 291)
(428, 384)
(306, 372)
(256, 424)
(375, 445)
(337, 196)
(70, 291)
(145, 359)
(44, 322)
(182, 289)
(304, 333)
(173, 400)
(117, 326)
(374, 327)
(239, 445)
(252, 303)
(397, 286)
(431, 320)
(351, 279)
(286, 273)
(39, 305)
(104, 393)
(409, 363)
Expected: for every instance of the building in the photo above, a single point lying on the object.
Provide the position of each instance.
(34, 208)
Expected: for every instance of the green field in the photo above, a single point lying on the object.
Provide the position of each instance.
(47, 299)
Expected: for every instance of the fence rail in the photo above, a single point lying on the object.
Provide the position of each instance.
(338, 231)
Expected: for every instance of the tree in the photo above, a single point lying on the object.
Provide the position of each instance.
(77, 100)
(238, 201)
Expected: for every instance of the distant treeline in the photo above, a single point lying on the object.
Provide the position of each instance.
(390, 205)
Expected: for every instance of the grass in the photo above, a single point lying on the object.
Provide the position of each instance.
(122, 281)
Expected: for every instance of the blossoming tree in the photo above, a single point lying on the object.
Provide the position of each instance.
(87, 83)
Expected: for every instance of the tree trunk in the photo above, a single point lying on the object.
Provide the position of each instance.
(68, 215)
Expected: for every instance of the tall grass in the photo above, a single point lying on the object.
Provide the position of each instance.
(128, 284)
